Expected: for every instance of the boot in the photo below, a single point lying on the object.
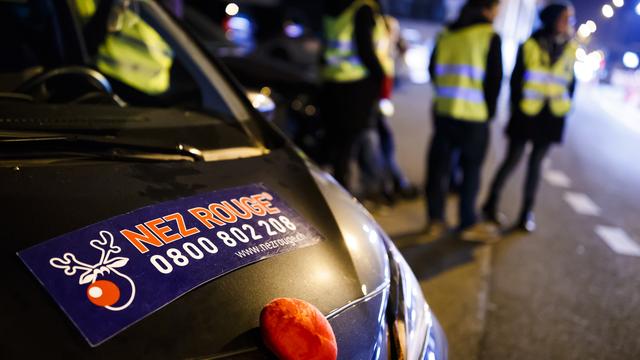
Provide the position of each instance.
(491, 214)
(485, 232)
(527, 222)
(436, 229)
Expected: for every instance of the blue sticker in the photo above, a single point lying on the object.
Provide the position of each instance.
(109, 275)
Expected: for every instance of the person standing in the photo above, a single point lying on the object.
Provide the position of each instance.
(542, 87)
(396, 183)
(352, 77)
(126, 49)
(466, 66)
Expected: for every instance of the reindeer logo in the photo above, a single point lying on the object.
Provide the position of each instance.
(101, 292)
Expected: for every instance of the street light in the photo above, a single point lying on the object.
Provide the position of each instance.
(638, 9)
(591, 25)
(618, 3)
(584, 31)
(232, 9)
(607, 11)
(631, 60)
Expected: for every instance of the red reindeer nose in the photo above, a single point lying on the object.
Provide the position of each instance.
(294, 330)
(103, 293)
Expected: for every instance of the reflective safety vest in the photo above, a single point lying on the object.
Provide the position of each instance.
(86, 8)
(460, 64)
(136, 54)
(342, 63)
(546, 82)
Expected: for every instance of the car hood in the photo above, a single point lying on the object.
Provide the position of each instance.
(221, 316)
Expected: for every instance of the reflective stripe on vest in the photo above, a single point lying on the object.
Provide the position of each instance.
(546, 82)
(461, 60)
(342, 63)
(136, 54)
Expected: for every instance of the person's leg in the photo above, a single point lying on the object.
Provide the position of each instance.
(344, 151)
(387, 144)
(473, 149)
(386, 138)
(367, 146)
(437, 175)
(386, 152)
(514, 153)
(456, 176)
(330, 117)
(539, 152)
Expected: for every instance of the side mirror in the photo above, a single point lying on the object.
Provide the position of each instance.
(263, 103)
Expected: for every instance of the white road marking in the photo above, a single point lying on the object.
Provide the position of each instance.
(581, 203)
(618, 240)
(618, 109)
(557, 178)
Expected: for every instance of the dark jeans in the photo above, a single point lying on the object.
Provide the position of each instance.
(394, 177)
(347, 112)
(471, 140)
(363, 145)
(516, 149)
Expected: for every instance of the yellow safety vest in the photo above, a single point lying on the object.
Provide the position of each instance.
(461, 61)
(544, 81)
(136, 54)
(342, 63)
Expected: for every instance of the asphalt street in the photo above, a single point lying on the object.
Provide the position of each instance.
(570, 290)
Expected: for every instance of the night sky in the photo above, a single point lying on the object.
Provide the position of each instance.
(622, 32)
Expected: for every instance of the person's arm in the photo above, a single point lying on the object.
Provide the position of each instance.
(572, 86)
(493, 75)
(432, 63)
(517, 80)
(364, 25)
(95, 30)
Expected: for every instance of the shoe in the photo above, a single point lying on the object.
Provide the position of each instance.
(436, 229)
(388, 198)
(489, 214)
(408, 192)
(485, 232)
(375, 200)
(527, 222)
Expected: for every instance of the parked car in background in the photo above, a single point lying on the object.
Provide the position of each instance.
(282, 66)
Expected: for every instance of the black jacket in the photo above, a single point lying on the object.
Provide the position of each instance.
(493, 72)
(544, 127)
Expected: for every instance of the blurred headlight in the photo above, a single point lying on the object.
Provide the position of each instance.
(412, 318)
(263, 103)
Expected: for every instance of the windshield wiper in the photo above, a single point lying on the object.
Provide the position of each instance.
(73, 143)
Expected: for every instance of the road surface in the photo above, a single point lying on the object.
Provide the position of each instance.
(571, 290)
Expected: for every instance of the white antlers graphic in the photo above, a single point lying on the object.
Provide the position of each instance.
(106, 265)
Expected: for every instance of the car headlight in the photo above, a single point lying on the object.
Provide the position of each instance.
(410, 316)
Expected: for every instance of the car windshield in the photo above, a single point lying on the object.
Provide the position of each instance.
(112, 69)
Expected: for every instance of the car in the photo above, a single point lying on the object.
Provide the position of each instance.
(140, 223)
(280, 66)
